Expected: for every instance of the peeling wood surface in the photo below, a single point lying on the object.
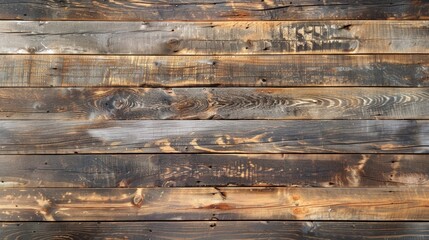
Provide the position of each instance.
(185, 10)
(215, 230)
(59, 204)
(215, 71)
(199, 136)
(196, 170)
(217, 38)
(214, 103)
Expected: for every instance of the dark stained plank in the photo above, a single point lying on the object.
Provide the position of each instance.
(200, 38)
(194, 170)
(230, 203)
(226, 71)
(185, 10)
(194, 136)
(214, 103)
(215, 230)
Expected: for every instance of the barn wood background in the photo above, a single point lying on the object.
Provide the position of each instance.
(214, 119)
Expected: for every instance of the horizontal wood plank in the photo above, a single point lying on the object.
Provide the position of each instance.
(223, 71)
(215, 230)
(185, 10)
(193, 136)
(71, 204)
(214, 103)
(200, 38)
(196, 170)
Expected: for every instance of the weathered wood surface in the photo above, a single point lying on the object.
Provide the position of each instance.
(185, 10)
(214, 103)
(215, 230)
(199, 38)
(230, 203)
(194, 136)
(227, 71)
(196, 170)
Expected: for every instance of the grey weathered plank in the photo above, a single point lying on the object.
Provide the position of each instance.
(215, 230)
(199, 38)
(227, 71)
(196, 170)
(279, 203)
(185, 10)
(194, 136)
(214, 103)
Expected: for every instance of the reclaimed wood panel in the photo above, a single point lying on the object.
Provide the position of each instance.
(71, 204)
(185, 10)
(200, 38)
(196, 170)
(220, 71)
(215, 230)
(214, 103)
(194, 136)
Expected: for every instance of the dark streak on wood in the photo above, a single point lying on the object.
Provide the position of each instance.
(215, 230)
(196, 170)
(214, 103)
(226, 71)
(274, 203)
(185, 10)
(200, 38)
(194, 136)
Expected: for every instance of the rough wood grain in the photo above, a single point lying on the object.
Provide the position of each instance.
(215, 230)
(214, 103)
(71, 204)
(196, 170)
(193, 136)
(199, 38)
(185, 10)
(227, 71)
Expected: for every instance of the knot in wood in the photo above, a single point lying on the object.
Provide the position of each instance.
(138, 200)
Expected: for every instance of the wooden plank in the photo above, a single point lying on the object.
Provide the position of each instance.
(193, 136)
(193, 170)
(215, 230)
(114, 204)
(185, 10)
(214, 103)
(226, 71)
(199, 38)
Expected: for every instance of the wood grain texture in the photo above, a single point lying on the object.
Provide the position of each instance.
(71, 204)
(215, 230)
(226, 71)
(196, 170)
(185, 10)
(200, 38)
(214, 103)
(194, 136)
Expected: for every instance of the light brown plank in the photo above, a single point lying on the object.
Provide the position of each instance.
(193, 170)
(71, 204)
(225, 71)
(214, 103)
(185, 10)
(215, 230)
(200, 38)
(194, 136)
